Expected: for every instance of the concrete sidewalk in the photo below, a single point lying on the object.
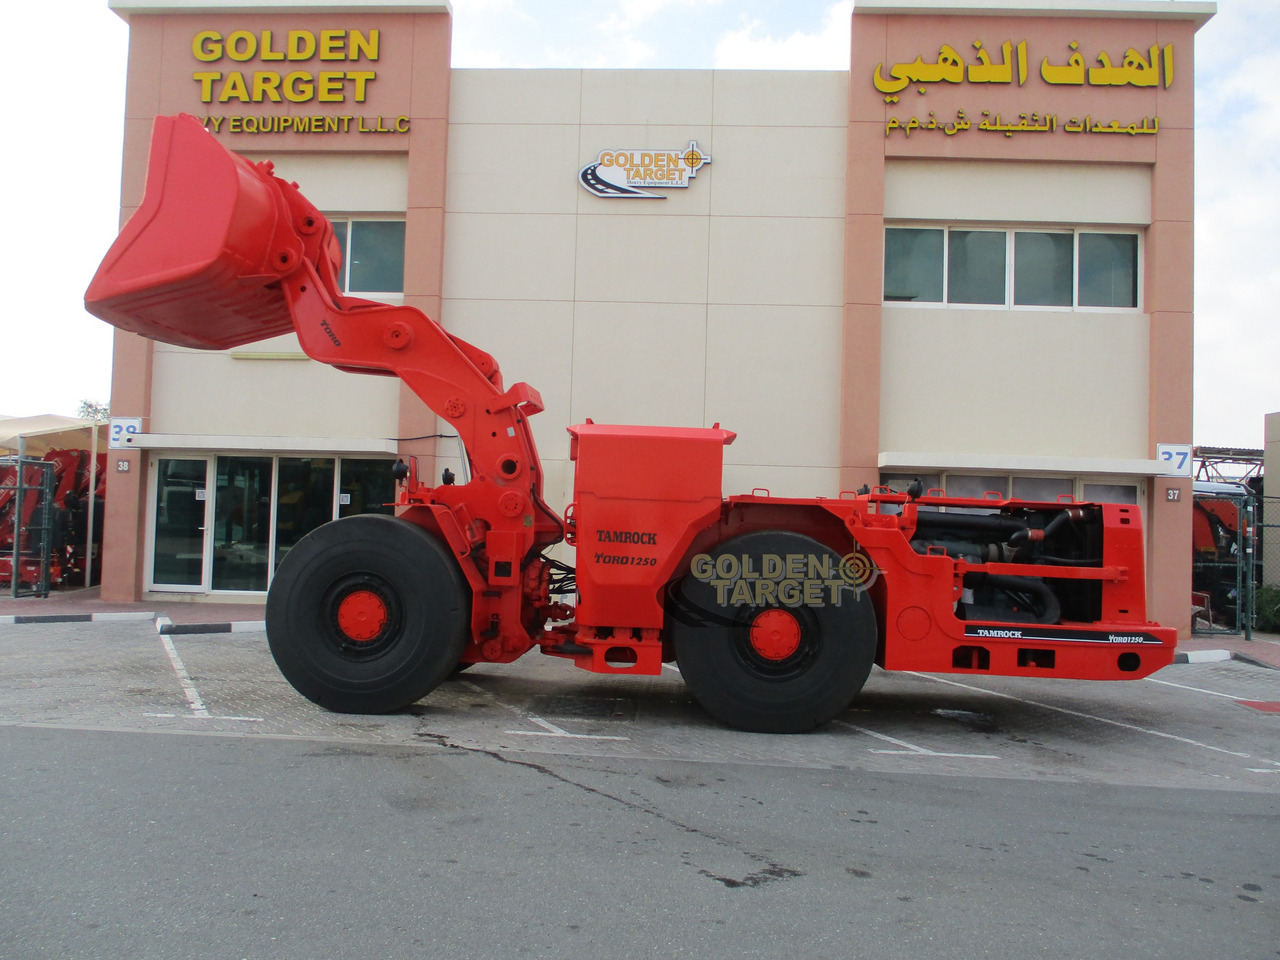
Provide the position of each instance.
(86, 601)
(1263, 649)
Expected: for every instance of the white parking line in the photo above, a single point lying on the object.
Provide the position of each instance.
(548, 729)
(911, 748)
(1090, 716)
(194, 702)
(551, 730)
(1183, 686)
(189, 690)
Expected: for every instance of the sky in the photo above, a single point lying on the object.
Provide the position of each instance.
(66, 103)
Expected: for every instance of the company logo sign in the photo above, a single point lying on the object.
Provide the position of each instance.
(631, 174)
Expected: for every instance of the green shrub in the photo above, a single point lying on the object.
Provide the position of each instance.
(1268, 610)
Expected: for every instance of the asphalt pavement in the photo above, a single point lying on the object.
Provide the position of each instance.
(171, 796)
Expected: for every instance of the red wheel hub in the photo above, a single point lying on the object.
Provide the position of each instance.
(361, 615)
(775, 634)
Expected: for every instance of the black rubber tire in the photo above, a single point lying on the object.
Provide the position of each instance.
(427, 601)
(735, 684)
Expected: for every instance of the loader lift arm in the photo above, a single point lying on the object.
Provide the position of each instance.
(221, 253)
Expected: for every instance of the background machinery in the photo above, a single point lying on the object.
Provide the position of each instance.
(774, 609)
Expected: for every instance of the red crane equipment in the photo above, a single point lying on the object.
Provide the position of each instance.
(774, 609)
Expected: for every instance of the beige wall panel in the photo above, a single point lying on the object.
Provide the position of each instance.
(195, 392)
(532, 341)
(512, 168)
(779, 172)
(773, 377)
(781, 481)
(341, 183)
(641, 363)
(509, 256)
(646, 97)
(642, 259)
(777, 260)
(782, 98)
(557, 486)
(1076, 193)
(693, 200)
(515, 96)
(1014, 382)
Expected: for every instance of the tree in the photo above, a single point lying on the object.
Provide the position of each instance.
(93, 410)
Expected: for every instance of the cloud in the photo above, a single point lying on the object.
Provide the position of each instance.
(828, 49)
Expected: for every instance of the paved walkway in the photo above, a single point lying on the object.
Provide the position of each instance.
(176, 608)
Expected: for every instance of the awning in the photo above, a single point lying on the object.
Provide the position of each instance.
(49, 431)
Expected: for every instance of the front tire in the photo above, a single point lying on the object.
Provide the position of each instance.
(772, 667)
(367, 614)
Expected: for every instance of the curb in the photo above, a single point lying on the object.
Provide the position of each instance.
(1253, 661)
(76, 617)
(167, 627)
(1202, 656)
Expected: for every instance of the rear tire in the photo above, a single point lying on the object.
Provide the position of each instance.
(367, 614)
(772, 667)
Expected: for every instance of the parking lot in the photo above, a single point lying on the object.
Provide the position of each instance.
(171, 796)
(1205, 725)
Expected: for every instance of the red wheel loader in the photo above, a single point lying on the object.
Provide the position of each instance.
(773, 609)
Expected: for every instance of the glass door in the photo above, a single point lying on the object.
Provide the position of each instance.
(242, 523)
(181, 511)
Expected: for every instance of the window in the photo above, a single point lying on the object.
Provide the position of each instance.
(224, 522)
(1068, 268)
(1108, 269)
(913, 265)
(372, 255)
(975, 266)
(1042, 269)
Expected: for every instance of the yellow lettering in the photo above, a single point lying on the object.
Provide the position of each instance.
(234, 88)
(330, 87)
(241, 46)
(362, 46)
(302, 45)
(298, 87)
(333, 45)
(206, 85)
(606, 159)
(265, 50)
(402, 124)
(360, 78)
(206, 46)
(266, 86)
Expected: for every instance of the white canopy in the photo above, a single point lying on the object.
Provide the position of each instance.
(48, 431)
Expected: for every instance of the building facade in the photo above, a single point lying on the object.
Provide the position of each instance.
(968, 259)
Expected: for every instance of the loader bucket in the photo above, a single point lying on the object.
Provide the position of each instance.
(199, 263)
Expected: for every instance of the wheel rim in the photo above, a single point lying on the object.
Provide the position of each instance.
(364, 615)
(775, 635)
(775, 643)
(361, 615)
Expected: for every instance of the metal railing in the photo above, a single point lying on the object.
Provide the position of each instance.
(26, 503)
(1225, 566)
